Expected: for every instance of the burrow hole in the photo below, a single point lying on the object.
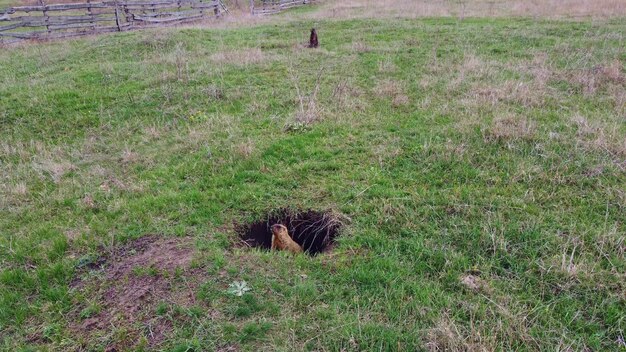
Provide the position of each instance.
(313, 230)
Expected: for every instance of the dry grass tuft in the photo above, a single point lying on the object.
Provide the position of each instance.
(510, 128)
(393, 89)
(583, 127)
(256, 107)
(446, 335)
(128, 156)
(490, 330)
(531, 91)
(472, 63)
(568, 264)
(388, 88)
(309, 111)
(452, 148)
(307, 114)
(88, 201)
(346, 96)
(208, 128)
(526, 94)
(214, 92)
(598, 136)
(54, 169)
(474, 283)
(386, 65)
(361, 47)
(613, 72)
(18, 189)
(400, 100)
(245, 149)
(387, 151)
(152, 132)
(21, 149)
(540, 68)
(472, 67)
(179, 58)
(346, 101)
(619, 99)
(427, 81)
(244, 57)
(474, 8)
(72, 234)
(598, 77)
(569, 261)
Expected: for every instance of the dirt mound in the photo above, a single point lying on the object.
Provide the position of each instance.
(163, 254)
(132, 281)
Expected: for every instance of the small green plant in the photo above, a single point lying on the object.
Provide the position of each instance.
(195, 312)
(246, 306)
(51, 332)
(254, 330)
(147, 271)
(90, 311)
(162, 308)
(238, 288)
(86, 260)
(184, 348)
(297, 127)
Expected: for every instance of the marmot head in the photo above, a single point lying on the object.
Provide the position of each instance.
(278, 229)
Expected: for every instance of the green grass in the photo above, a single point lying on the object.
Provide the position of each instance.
(7, 3)
(485, 147)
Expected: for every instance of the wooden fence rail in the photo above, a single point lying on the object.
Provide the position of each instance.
(269, 7)
(75, 19)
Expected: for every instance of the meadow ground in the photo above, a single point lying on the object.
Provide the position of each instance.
(478, 166)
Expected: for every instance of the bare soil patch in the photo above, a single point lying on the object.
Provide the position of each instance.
(132, 281)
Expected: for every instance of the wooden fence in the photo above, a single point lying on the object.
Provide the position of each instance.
(269, 7)
(75, 19)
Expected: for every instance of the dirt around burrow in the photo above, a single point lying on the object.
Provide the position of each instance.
(132, 281)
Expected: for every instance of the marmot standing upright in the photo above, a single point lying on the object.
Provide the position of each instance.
(313, 42)
(282, 241)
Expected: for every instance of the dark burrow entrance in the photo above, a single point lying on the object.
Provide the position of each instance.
(313, 230)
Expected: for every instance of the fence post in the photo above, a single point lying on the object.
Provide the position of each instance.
(216, 10)
(90, 13)
(252, 7)
(45, 15)
(117, 17)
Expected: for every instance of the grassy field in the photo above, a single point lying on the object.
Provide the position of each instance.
(479, 166)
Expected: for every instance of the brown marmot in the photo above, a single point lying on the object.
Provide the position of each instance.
(313, 41)
(282, 241)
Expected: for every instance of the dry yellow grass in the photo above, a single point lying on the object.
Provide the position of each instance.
(392, 89)
(510, 128)
(601, 136)
(240, 16)
(239, 57)
(470, 8)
